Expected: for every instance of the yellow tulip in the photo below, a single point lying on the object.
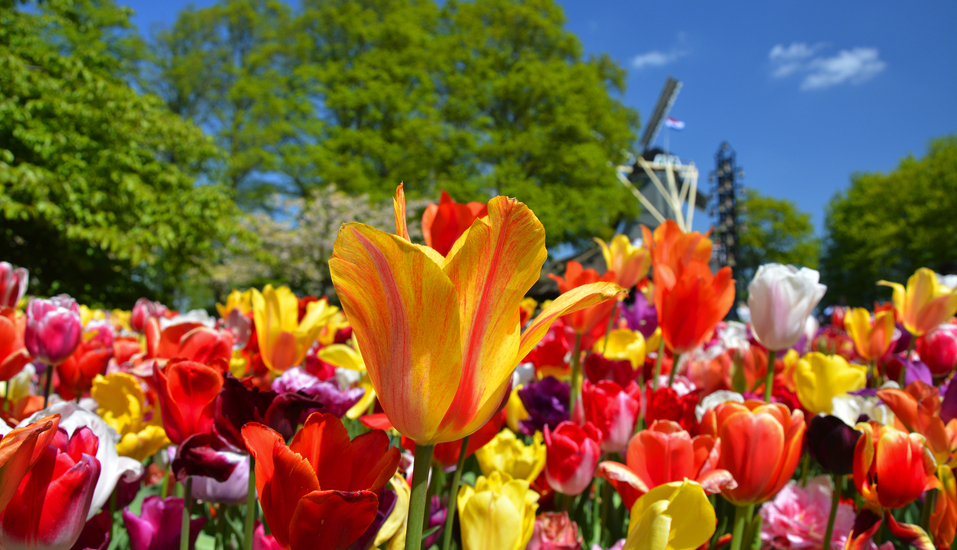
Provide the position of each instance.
(623, 344)
(327, 335)
(498, 514)
(507, 454)
(393, 528)
(515, 409)
(283, 339)
(653, 341)
(122, 405)
(673, 516)
(629, 262)
(925, 303)
(871, 337)
(121, 318)
(343, 356)
(790, 361)
(820, 378)
(243, 301)
(528, 307)
(88, 314)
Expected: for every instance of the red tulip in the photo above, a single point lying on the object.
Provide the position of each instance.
(53, 329)
(760, 446)
(665, 404)
(90, 358)
(938, 350)
(892, 468)
(672, 250)
(13, 352)
(143, 311)
(319, 492)
(13, 284)
(50, 506)
(571, 454)
(590, 318)
(613, 411)
(20, 450)
(187, 393)
(691, 305)
(444, 223)
(664, 453)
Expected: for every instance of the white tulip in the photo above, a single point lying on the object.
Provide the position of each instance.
(780, 298)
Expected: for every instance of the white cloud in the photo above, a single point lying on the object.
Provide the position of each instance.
(656, 58)
(847, 66)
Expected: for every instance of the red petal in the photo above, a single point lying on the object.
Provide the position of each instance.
(375, 462)
(331, 520)
(324, 442)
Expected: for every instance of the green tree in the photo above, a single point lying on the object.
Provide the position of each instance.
(886, 226)
(97, 182)
(774, 230)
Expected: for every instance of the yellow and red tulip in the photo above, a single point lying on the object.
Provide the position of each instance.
(871, 336)
(630, 263)
(924, 303)
(892, 468)
(283, 338)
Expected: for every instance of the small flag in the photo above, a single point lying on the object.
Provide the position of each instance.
(674, 123)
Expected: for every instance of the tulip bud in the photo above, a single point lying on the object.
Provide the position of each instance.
(143, 310)
(938, 350)
(13, 284)
(900, 460)
(571, 455)
(781, 298)
(831, 443)
(53, 329)
(613, 411)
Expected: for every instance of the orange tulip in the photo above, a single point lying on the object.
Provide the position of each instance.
(187, 395)
(630, 263)
(440, 336)
(664, 453)
(672, 248)
(924, 303)
(283, 338)
(943, 522)
(917, 409)
(13, 353)
(586, 319)
(871, 337)
(892, 468)
(320, 491)
(444, 223)
(20, 450)
(691, 305)
(760, 446)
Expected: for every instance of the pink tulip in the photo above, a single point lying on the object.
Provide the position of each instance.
(53, 329)
(13, 284)
(143, 310)
(938, 350)
(554, 531)
(613, 411)
(572, 452)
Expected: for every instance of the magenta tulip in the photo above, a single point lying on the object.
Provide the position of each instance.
(53, 329)
(938, 350)
(160, 524)
(13, 284)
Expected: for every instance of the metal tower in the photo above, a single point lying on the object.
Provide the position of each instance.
(725, 206)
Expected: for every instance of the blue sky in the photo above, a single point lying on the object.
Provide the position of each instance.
(806, 92)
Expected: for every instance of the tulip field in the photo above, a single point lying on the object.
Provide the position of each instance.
(431, 404)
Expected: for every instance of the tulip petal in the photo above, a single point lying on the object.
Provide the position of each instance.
(624, 480)
(404, 314)
(375, 462)
(19, 451)
(331, 520)
(752, 447)
(324, 442)
(911, 535)
(398, 206)
(866, 524)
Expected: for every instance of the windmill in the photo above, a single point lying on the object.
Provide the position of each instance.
(665, 187)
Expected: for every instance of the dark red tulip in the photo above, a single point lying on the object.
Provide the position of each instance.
(831, 443)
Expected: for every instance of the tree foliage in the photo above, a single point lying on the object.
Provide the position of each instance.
(477, 98)
(886, 226)
(97, 181)
(774, 230)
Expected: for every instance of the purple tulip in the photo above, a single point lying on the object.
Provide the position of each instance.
(641, 316)
(831, 442)
(53, 329)
(13, 284)
(437, 515)
(547, 404)
(96, 533)
(204, 454)
(159, 524)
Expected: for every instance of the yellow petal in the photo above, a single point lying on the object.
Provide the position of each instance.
(396, 520)
(341, 355)
(820, 378)
(690, 518)
(405, 320)
(569, 302)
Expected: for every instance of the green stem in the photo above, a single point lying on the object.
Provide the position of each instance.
(871, 375)
(576, 374)
(187, 512)
(420, 488)
(674, 369)
(742, 517)
(769, 376)
(835, 501)
(47, 385)
(164, 490)
(661, 352)
(221, 526)
(453, 495)
(250, 518)
(930, 502)
(805, 465)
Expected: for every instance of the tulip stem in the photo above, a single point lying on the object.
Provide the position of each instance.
(47, 386)
(250, 518)
(420, 488)
(769, 376)
(805, 465)
(661, 352)
(742, 517)
(930, 502)
(187, 512)
(453, 495)
(576, 374)
(835, 501)
(674, 369)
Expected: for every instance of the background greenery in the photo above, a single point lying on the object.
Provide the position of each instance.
(226, 149)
